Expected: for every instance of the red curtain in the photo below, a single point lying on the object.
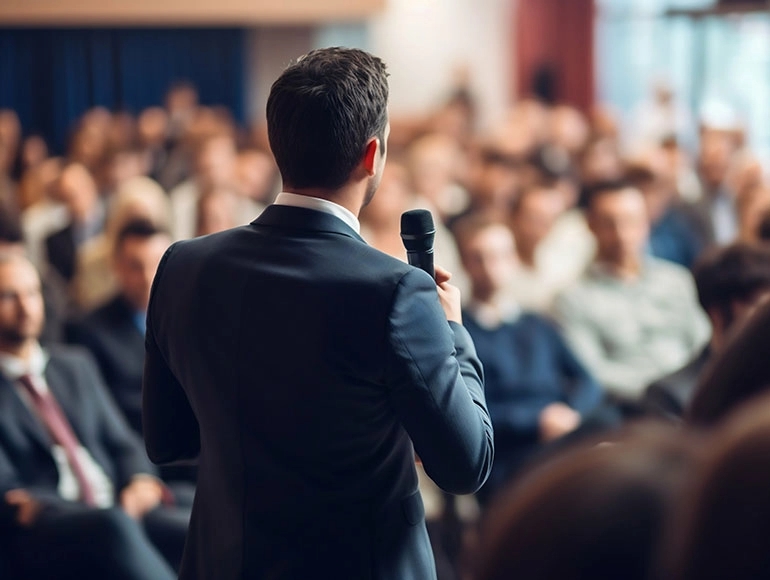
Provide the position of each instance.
(555, 38)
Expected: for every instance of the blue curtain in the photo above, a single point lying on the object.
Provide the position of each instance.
(51, 76)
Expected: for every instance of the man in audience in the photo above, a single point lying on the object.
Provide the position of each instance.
(715, 214)
(79, 498)
(536, 389)
(77, 190)
(672, 235)
(533, 216)
(632, 318)
(731, 282)
(215, 161)
(114, 333)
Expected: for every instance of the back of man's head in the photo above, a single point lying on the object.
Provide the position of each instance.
(726, 278)
(321, 113)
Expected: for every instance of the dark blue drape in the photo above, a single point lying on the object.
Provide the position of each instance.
(51, 76)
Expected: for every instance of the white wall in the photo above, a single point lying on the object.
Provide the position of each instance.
(422, 41)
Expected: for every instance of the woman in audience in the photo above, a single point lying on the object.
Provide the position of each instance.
(724, 525)
(597, 512)
(137, 198)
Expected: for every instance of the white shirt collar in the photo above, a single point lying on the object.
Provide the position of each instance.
(318, 204)
(13, 367)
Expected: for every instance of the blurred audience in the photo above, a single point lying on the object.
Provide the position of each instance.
(722, 528)
(80, 498)
(597, 512)
(136, 198)
(740, 371)
(533, 217)
(114, 332)
(731, 282)
(545, 226)
(86, 214)
(632, 318)
(536, 389)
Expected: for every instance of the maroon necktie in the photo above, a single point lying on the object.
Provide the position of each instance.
(61, 432)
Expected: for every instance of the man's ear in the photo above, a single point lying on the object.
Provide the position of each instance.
(370, 155)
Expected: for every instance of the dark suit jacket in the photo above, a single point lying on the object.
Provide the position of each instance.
(111, 335)
(669, 396)
(25, 446)
(61, 251)
(300, 364)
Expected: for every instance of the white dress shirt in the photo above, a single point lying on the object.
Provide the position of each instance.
(13, 368)
(318, 204)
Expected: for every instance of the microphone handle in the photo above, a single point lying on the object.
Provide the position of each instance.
(423, 261)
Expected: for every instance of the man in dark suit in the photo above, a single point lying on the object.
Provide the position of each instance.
(79, 497)
(731, 282)
(304, 368)
(114, 333)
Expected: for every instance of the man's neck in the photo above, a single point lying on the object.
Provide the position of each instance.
(349, 196)
(627, 271)
(526, 256)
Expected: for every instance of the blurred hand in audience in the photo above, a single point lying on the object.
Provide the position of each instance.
(141, 496)
(556, 420)
(27, 507)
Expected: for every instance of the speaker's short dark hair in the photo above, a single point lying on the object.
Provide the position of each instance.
(138, 228)
(322, 111)
(736, 273)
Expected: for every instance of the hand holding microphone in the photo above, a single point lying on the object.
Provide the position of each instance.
(418, 233)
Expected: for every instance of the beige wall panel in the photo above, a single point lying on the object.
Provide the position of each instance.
(183, 12)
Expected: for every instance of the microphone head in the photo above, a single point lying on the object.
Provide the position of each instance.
(417, 230)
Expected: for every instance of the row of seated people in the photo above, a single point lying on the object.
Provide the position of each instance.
(80, 497)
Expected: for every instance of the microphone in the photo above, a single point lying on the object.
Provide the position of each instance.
(418, 233)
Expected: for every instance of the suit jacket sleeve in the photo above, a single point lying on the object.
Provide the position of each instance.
(437, 387)
(171, 431)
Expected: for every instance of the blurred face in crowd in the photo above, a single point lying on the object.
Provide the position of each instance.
(601, 162)
(658, 198)
(22, 312)
(569, 129)
(537, 211)
(392, 199)
(152, 126)
(135, 263)
(77, 190)
(619, 222)
(255, 174)
(33, 151)
(10, 133)
(216, 162)
(216, 212)
(432, 160)
(489, 258)
(716, 150)
(124, 165)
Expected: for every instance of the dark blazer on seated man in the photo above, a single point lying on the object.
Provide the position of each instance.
(69, 539)
(112, 335)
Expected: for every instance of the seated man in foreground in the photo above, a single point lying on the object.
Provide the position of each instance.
(537, 390)
(79, 497)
